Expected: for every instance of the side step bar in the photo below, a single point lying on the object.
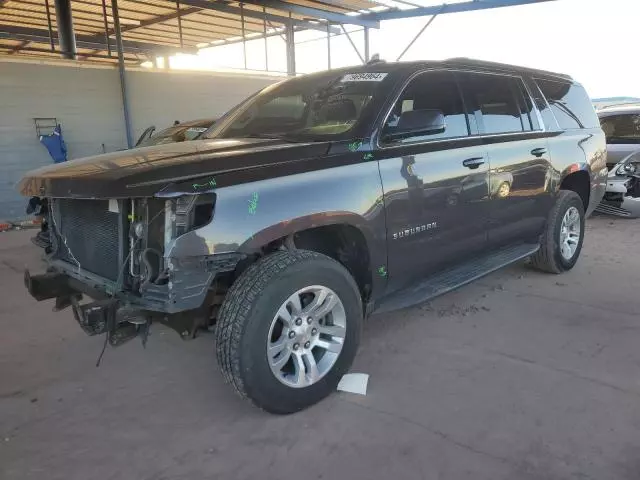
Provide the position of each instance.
(453, 278)
(608, 209)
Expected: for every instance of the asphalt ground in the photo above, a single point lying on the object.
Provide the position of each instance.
(520, 375)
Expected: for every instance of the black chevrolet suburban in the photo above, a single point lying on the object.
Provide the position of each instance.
(318, 202)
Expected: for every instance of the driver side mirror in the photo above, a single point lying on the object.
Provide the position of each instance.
(417, 122)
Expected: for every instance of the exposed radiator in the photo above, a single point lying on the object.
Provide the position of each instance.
(90, 237)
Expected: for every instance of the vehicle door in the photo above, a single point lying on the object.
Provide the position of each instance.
(436, 182)
(518, 151)
(623, 135)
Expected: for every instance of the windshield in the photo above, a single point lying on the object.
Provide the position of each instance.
(314, 107)
(177, 133)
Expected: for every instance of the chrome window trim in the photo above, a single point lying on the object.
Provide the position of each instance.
(441, 140)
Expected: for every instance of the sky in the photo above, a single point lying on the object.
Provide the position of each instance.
(595, 41)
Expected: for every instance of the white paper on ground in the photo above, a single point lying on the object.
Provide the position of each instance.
(354, 383)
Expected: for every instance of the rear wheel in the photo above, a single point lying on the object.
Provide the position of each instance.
(289, 329)
(561, 242)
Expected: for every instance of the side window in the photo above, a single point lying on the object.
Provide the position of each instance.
(435, 91)
(495, 99)
(622, 129)
(548, 118)
(569, 103)
(526, 107)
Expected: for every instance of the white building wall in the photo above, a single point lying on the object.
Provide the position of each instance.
(87, 102)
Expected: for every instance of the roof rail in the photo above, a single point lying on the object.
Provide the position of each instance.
(504, 66)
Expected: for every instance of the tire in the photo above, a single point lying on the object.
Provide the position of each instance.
(550, 257)
(246, 322)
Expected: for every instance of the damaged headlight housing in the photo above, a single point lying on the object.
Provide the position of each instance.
(627, 169)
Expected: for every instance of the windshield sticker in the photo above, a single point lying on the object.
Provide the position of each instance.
(210, 184)
(382, 271)
(354, 146)
(253, 203)
(363, 77)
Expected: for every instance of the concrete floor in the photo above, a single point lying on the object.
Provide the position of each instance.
(519, 376)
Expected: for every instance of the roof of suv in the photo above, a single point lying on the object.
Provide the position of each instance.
(378, 65)
(617, 109)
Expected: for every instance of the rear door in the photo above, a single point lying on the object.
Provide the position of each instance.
(623, 135)
(436, 186)
(518, 152)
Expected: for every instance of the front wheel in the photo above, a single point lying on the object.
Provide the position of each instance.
(289, 329)
(561, 242)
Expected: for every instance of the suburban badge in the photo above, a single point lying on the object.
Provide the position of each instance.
(407, 232)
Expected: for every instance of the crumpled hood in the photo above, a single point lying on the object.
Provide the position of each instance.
(145, 171)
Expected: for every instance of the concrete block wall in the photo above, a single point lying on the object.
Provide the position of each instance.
(86, 100)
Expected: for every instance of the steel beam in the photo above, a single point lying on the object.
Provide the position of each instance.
(222, 7)
(426, 25)
(352, 44)
(468, 6)
(123, 83)
(66, 36)
(46, 50)
(13, 32)
(363, 20)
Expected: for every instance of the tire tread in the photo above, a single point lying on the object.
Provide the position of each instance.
(237, 306)
(545, 259)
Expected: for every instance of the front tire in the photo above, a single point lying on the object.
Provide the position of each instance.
(288, 330)
(561, 242)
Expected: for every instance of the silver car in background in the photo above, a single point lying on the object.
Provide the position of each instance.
(621, 125)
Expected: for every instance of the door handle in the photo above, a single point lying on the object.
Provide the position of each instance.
(473, 163)
(538, 152)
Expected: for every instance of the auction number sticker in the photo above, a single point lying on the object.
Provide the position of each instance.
(364, 77)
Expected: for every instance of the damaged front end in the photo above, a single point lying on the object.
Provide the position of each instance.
(623, 181)
(119, 254)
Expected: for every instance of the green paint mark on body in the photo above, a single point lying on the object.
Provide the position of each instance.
(354, 146)
(211, 183)
(382, 271)
(253, 203)
(368, 156)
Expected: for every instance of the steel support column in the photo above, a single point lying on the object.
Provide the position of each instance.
(291, 49)
(66, 36)
(106, 26)
(266, 46)
(244, 38)
(328, 46)
(123, 83)
(366, 44)
(179, 23)
(53, 47)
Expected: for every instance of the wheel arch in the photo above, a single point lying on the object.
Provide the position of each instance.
(579, 181)
(343, 236)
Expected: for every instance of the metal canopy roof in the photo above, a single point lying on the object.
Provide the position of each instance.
(159, 27)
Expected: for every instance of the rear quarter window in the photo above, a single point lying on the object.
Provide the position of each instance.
(569, 103)
(622, 129)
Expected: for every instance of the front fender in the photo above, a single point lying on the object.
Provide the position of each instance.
(250, 215)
